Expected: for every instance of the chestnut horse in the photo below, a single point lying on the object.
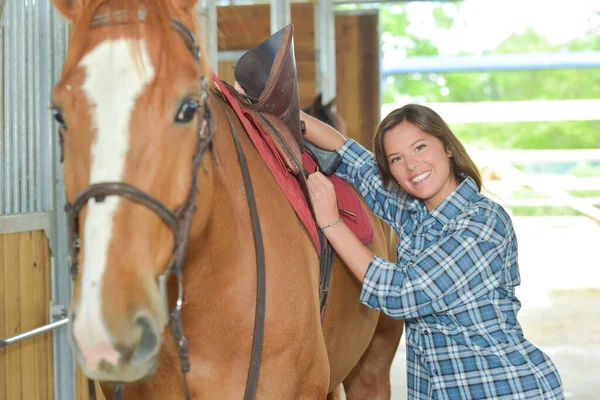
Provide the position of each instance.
(155, 186)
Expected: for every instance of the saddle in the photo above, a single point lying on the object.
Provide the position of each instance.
(267, 73)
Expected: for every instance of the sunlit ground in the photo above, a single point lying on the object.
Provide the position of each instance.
(560, 293)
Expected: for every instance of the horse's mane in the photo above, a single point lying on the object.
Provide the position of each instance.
(158, 21)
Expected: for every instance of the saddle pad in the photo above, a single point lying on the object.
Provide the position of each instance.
(286, 181)
(347, 200)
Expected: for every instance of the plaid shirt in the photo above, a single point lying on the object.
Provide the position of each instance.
(454, 284)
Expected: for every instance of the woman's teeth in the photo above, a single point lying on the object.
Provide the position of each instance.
(420, 177)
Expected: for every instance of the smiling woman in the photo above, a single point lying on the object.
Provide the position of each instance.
(455, 277)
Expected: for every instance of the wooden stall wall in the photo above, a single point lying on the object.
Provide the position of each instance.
(357, 73)
(357, 57)
(26, 368)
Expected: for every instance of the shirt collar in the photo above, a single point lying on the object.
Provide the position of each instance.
(451, 206)
(457, 201)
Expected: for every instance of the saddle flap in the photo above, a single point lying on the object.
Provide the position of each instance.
(282, 138)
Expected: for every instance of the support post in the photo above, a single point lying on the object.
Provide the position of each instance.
(325, 49)
(280, 14)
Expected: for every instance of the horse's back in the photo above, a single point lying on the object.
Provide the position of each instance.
(350, 326)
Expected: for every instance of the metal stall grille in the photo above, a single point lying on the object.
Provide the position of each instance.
(33, 41)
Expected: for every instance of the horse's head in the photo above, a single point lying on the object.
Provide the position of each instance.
(326, 113)
(131, 104)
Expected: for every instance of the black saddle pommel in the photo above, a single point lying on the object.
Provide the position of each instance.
(327, 160)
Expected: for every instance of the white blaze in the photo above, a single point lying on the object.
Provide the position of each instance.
(115, 77)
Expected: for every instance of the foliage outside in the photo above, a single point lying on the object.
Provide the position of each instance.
(399, 35)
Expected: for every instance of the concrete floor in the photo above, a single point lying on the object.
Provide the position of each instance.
(560, 294)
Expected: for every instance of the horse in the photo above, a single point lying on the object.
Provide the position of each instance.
(172, 217)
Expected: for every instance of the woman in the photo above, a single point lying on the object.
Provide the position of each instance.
(454, 281)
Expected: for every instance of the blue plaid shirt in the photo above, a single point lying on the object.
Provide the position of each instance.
(454, 284)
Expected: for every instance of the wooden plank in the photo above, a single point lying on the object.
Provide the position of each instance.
(357, 74)
(26, 290)
(11, 315)
(348, 73)
(368, 96)
(41, 298)
(3, 376)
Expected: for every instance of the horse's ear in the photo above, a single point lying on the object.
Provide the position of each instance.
(318, 102)
(69, 8)
(328, 105)
(185, 5)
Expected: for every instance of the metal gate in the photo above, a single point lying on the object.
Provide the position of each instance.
(33, 271)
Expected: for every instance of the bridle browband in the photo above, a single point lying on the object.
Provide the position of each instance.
(178, 221)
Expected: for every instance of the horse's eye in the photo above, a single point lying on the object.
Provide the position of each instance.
(58, 117)
(187, 111)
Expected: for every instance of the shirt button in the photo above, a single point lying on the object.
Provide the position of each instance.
(425, 332)
(435, 371)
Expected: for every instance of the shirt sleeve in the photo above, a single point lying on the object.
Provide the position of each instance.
(358, 166)
(459, 268)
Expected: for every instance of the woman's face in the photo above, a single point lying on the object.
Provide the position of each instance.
(420, 163)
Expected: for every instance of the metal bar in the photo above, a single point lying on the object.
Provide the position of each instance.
(29, 114)
(3, 117)
(212, 39)
(55, 45)
(20, 100)
(26, 222)
(280, 14)
(9, 55)
(39, 105)
(34, 332)
(325, 49)
(490, 62)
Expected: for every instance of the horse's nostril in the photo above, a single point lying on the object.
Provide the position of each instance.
(148, 340)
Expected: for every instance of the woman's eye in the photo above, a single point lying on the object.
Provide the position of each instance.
(187, 111)
(395, 160)
(58, 117)
(419, 147)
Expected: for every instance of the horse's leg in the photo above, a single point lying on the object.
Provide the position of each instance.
(370, 378)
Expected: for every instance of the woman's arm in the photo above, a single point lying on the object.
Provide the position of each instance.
(465, 265)
(321, 134)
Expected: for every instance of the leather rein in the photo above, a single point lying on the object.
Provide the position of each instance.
(179, 221)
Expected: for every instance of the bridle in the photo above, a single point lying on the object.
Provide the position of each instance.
(178, 221)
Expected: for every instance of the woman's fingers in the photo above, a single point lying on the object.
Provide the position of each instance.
(323, 197)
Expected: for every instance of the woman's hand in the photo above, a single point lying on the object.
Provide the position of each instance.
(237, 87)
(324, 199)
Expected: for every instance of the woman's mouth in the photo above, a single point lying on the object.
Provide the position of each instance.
(421, 177)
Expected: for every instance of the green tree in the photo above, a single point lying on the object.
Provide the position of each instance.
(559, 84)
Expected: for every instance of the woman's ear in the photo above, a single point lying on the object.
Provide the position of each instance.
(69, 8)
